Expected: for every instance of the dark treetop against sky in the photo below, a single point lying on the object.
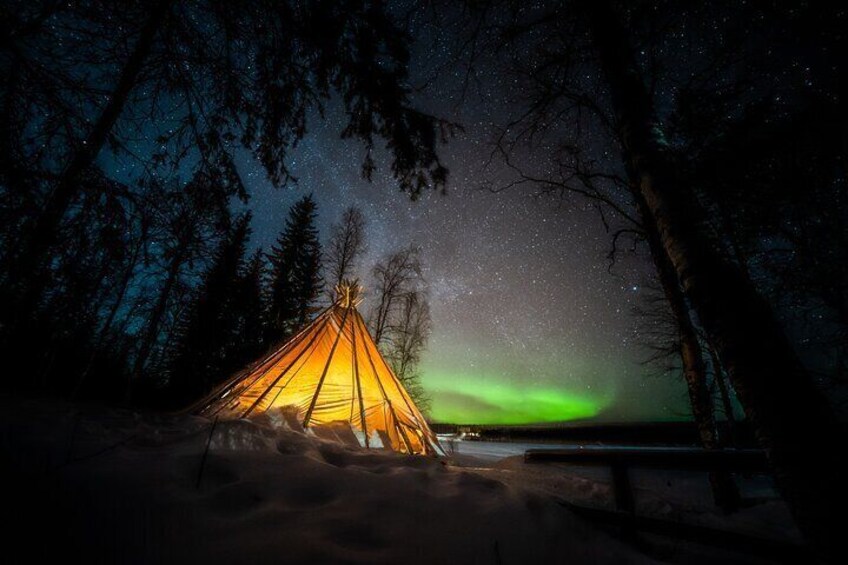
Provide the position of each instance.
(529, 322)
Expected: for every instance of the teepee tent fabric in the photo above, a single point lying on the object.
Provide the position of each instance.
(331, 371)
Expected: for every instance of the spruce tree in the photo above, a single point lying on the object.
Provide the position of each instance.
(209, 334)
(295, 279)
(250, 308)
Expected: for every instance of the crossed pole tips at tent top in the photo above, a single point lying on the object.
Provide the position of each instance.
(328, 370)
(349, 294)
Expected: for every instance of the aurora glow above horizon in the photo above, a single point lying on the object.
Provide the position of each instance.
(527, 381)
(461, 400)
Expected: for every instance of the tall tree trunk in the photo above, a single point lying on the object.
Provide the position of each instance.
(97, 347)
(123, 286)
(380, 323)
(793, 420)
(383, 308)
(724, 394)
(43, 233)
(725, 491)
(148, 339)
(11, 171)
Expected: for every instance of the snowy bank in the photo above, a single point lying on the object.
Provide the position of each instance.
(118, 486)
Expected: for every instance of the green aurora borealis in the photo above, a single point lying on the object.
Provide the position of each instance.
(464, 399)
(476, 380)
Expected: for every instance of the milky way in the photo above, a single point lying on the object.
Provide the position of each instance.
(529, 322)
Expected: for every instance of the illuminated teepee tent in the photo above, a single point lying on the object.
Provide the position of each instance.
(331, 371)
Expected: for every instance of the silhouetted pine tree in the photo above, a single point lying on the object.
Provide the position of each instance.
(295, 279)
(209, 331)
(249, 306)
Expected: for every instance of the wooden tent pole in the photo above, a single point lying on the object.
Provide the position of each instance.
(257, 366)
(273, 357)
(282, 388)
(309, 345)
(402, 431)
(352, 377)
(326, 368)
(399, 427)
(412, 410)
(359, 388)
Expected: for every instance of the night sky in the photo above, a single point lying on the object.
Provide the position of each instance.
(529, 323)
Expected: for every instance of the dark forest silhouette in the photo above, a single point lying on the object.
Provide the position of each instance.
(114, 286)
(134, 284)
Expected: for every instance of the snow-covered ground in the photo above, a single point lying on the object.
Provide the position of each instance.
(676, 495)
(116, 486)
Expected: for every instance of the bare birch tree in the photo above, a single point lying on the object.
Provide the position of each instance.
(400, 320)
(396, 277)
(345, 247)
(405, 342)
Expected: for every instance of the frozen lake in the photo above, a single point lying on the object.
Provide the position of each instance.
(657, 480)
(494, 450)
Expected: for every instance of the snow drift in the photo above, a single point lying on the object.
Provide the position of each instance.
(118, 486)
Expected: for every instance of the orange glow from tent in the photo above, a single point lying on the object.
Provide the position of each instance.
(331, 371)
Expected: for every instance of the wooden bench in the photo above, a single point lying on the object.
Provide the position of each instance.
(621, 459)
